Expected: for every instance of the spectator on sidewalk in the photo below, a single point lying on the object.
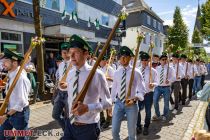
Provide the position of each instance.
(51, 65)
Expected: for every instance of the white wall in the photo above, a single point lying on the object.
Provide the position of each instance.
(131, 35)
(86, 11)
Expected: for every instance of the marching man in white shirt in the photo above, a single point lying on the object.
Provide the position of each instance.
(17, 115)
(148, 97)
(60, 101)
(83, 121)
(119, 95)
(166, 76)
(176, 85)
(109, 74)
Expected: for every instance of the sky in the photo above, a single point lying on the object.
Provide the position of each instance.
(165, 10)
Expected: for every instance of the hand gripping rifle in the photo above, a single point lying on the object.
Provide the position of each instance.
(139, 39)
(80, 97)
(34, 42)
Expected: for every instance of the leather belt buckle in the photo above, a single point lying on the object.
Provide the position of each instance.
(79, 124)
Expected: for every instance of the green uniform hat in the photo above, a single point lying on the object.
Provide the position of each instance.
(78, 42)
(105, 57)
(59, 58)
(124, 50)
(183, 56)
(65, 46)
(164, 55)
(176, 55)
(11, 55)
(144, 56)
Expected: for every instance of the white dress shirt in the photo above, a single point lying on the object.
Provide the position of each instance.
(98, 89)
(138, 87)
(110, 73)
(19, 97)
(180, 73)
(198, 70)
(171, 75)
(61, 72)
(146, 78)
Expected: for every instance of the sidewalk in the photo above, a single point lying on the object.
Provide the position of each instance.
(176, 128)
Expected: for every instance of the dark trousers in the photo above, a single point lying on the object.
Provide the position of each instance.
(81, 132)
(147, 103)
(184, 83)
(175, 88)
(202, 80)
(18, 121)
(190, 88)
(60, 103)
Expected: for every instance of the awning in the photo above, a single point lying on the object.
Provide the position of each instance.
(64, 31)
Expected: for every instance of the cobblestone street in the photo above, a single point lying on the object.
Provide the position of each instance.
(175, 129)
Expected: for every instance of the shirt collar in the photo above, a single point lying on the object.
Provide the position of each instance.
(128, 67)
(13, 73)
(85, 67)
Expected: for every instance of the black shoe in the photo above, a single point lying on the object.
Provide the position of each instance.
(146, 131)
(138, 130)
(106, 124)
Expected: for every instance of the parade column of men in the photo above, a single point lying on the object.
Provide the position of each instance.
(82, 122)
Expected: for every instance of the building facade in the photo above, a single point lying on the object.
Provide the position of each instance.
(141, 18)
(17, 26)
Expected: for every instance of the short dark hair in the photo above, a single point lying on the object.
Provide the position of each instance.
(156, 55)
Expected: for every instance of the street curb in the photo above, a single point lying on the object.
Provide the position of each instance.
(197, 122)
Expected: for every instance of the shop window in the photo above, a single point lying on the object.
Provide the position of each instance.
(10, 36)
(105, 20)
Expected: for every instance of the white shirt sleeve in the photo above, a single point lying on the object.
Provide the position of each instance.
(141, 90)
(114, 88)
(103, 90)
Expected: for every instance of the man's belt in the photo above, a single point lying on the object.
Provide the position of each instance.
(79, 124)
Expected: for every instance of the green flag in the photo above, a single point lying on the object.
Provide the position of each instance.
(89, 23)
(64, 14)
(75, 16)
(97, 24)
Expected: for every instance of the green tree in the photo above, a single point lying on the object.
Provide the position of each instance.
(205, 19)
(196, 37)
(178, 33)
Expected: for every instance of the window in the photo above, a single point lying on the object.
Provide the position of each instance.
(154, 23)
(49, 4)
(70, 5)
(148, 20)
(145, 39)
(105, 20)
(11, 40)
(160, 43)
(10, 36)
(158, 25)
